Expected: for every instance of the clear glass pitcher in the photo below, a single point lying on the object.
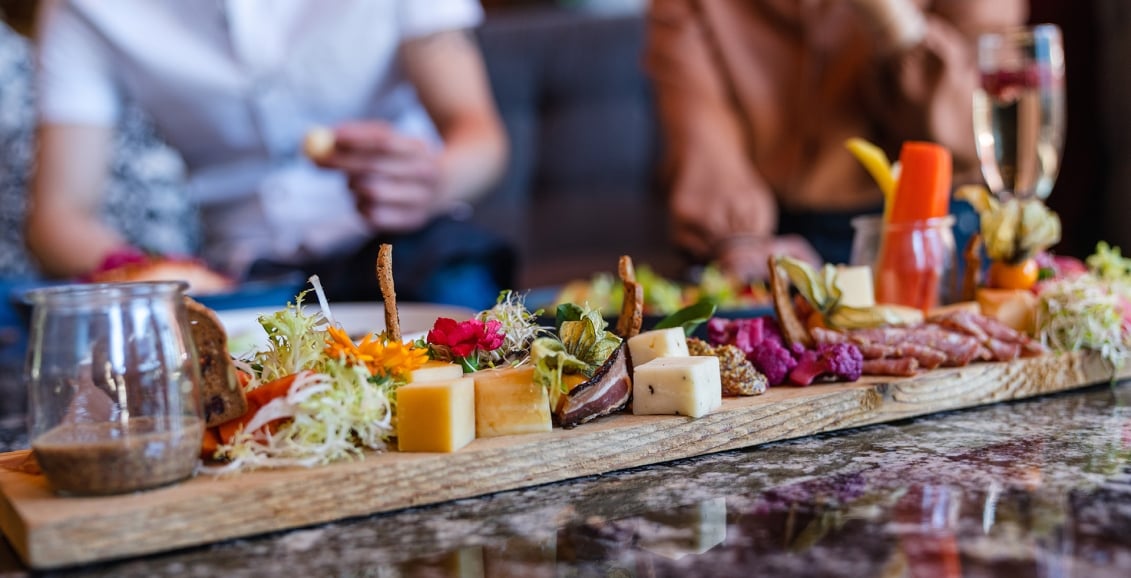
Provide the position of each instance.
(113, 387)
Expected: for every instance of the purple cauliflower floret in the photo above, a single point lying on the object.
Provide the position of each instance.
(773, 360)
(719, 331)
(797, 350)
(771, 329)
(840, 361)
(744, 334)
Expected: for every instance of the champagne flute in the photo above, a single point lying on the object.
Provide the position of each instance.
(1019, 110)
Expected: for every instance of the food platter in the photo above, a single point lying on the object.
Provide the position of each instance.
(50, 531)
(357, 319)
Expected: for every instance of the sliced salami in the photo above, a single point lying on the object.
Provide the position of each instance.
(901, 366)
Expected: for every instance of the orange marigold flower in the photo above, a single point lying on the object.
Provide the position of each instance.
(393, 359)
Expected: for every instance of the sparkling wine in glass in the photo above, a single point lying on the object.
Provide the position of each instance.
(1019, 110)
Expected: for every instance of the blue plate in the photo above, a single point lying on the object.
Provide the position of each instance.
(273, 294)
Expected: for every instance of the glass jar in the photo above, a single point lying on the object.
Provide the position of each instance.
(914, 263)
(113, 387)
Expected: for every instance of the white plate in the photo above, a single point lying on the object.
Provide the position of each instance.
(245, 334)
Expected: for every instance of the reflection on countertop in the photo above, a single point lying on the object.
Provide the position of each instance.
(1036, 488)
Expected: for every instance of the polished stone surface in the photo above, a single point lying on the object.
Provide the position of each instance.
(1033, 488)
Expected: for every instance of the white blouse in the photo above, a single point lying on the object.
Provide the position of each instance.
(234, 85)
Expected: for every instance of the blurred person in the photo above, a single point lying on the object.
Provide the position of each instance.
(757, 98)
(235, 86)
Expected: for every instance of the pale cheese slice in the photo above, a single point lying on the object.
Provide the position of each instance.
(434, 370)
(689, 386)
(855, 285)
(650, 345)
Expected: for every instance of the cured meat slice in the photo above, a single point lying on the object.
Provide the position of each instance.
(959, 349)
(928, 357)
(875, 350)
(608, 391)
(998, 330)
(1032, 348)
(963, 322)
(828, 336)
(902, 366)
(1003, 351)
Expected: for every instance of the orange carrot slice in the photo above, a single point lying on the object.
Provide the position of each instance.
(256, 399)
(923, 192)
(210, 443)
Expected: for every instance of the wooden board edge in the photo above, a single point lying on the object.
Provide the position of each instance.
(859, 402)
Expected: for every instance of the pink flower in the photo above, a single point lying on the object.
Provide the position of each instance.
(465, 339)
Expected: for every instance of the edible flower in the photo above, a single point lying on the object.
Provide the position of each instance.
(462, 341)
(393, 360)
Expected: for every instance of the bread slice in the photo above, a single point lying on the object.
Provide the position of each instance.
(221, 394)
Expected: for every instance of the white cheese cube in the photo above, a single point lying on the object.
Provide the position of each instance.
(688, 386)
(855, 285)
(436, 371)
(649, 345)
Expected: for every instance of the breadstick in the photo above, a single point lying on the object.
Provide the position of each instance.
(625, 269)
(388, 292)
(632, 310)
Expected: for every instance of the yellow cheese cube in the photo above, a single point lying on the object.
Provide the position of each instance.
(436, 416)
(434, 370)
(649, 345)
(507, 401)
(690, 386)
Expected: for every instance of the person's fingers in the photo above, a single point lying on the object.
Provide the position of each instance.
(746, 262)
(393, 219)
(421, 167)
(392, 206)
(375, 137)
(799, 248)
(378, 189)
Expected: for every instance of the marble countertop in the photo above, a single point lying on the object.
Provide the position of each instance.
(1034, 488)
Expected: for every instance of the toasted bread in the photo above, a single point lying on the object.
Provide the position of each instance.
(222, 397)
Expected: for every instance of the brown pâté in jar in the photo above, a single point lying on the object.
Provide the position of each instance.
(114, 457)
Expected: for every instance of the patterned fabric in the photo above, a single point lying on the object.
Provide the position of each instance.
(145, 197)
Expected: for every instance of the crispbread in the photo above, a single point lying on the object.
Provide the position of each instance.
(222, 397)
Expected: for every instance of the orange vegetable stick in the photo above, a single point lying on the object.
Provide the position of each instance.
(210, 444)
(256, 399)
(925, 176)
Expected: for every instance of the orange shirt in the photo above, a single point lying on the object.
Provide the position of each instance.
(756, 98)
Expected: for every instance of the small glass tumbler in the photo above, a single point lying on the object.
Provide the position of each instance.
(113, 387)
(913, 263)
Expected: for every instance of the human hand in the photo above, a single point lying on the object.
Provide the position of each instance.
(395, 178)
(747, 258)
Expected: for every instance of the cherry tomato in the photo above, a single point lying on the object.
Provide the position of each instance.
(1021, 275)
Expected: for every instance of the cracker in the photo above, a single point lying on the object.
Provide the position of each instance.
(793, 330)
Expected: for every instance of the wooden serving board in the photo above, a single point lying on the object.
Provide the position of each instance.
(50, 531)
